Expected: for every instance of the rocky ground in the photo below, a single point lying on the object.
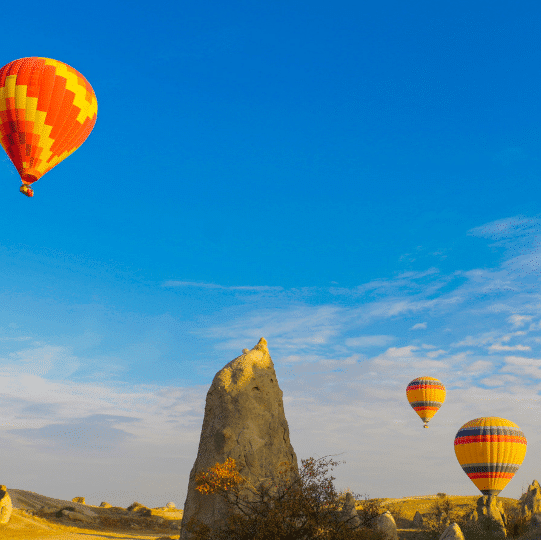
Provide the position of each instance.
(35, 517)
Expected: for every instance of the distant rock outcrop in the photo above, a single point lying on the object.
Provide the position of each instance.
(140, 509)
(452, 532)
(418, 520)
(489, 518)
(245, 420)
(170, 505)
(105, 505)
(80, 500)
(6, 508)
(530, 502)
(385, 523)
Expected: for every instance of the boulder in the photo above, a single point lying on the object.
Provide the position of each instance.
(244, 420)
(86, 511)
(6, 508)
(386, 524)
(170, 505)
(418, 520)
(76, 516)
(452, 532)
(105, 505)
(349, 514)
(80, 500)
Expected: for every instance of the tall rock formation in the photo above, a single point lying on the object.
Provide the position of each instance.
(6, 506)
(530, 502)
(245, 420)
(349, 514)
(489, 518)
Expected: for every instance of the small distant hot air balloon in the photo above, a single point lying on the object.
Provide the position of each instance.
(47, 110)
(426, 395)
(490, 450)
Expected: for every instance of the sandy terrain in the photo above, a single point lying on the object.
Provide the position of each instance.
(24, 526)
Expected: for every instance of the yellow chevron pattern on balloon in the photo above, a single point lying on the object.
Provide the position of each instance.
(47, 110)
(426, 395)
(490, 450)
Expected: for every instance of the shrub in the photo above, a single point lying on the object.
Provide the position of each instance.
(304, 508)
(370, 509)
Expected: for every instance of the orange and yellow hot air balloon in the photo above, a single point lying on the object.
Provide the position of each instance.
(490, 450)
(47, 110)
(426, 395)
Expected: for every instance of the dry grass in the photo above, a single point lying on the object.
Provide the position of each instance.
(112, 523)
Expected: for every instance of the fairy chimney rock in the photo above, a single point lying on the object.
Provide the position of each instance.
(6, 506)
(530, 502)
(244, 420)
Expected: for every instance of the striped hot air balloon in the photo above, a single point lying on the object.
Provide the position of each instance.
(47, 110)
(426, 395)
(490, 450)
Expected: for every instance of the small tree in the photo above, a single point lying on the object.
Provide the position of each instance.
(304, 508)
(370, 509)
(444, 507)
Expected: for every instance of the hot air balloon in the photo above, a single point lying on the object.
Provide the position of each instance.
(490, 450)
(47, 110)
(426, 395)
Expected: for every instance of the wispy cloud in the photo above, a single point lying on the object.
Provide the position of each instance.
(496, 347)
(369, 341)
(419, 326)
(342, 359)
(519, 320)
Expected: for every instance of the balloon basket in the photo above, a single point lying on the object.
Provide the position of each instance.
(25, 190)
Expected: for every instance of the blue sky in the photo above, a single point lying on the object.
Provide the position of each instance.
(358, 184)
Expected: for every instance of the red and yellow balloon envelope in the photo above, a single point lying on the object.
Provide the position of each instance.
(47, 110)
(490, 450)
(426, 395)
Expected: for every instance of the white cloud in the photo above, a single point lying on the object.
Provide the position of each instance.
(480, 366)
(419, 326)
(435, 354)
(519, 320)
(525, 366)
(369, 341)
(497, 347)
